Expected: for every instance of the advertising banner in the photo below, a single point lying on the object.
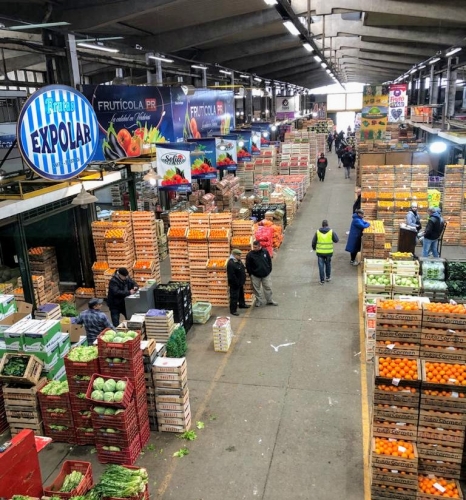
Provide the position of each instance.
(57, 132)
(206, 113)
(7, 135)
(243, 144)
(286, 107)
(174, 166)
(203, 159)
(225, 147)
(374, 116)
(398, 100)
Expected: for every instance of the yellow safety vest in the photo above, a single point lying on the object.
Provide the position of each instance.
(324, 242)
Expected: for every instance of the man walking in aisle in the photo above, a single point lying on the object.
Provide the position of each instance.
(322, 163)
(432, 233)
(339, 151)
(93, 319)
(322, 243)
(347, 159)
(236, 273)
(259, 267)
(119, 287)
(330, 141)
(353, 245)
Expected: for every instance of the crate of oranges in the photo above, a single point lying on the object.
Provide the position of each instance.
(440, 315)
(402, 394)
(409, 312)
(441, 452)
(396, 348)
(444, 374)
(394, 430)
(442, 353)
(397, 479)
(440, 468)
(431, 487)
(394, 454)
(393, 370)
(444, 399)
(177, 233)
(436, 435)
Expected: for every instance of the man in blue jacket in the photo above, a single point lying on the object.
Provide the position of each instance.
(353, 245)
(433, 232)
(322, 243)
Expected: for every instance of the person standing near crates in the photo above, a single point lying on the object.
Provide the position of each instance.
(93, 319)
(259, 267)
(119, 287)
(236, 273)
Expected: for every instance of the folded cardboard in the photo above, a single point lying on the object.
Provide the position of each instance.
(24, 312)
(7, 305)
(75, 331)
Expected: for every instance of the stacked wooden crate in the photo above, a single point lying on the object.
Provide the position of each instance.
(159, 324)
(178, 245)
(452, 203)
(119, 245)
(198, 252)
(43, 262)
(242, 238)
(217, 282)
(100, 279)
(99, 228)
(146, 241)
(162, 240)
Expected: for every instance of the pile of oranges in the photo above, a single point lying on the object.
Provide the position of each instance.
(218, 233)
(398, 368)
(398, 305)
(398, 327)
(446, 373)
(394, 388)
(445, 394)
(115, 233)
(438, 486)
(438, 307)
(241, 241)
(197, 234)
(177, 232)
(394, 448)
(143, 264)
(100, 266)
(399, 344)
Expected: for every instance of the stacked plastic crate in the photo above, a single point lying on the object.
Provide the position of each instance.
(176, 296)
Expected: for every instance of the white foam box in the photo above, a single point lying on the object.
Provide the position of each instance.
(169, 365)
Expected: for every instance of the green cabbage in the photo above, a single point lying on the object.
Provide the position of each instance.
(117, 360)
(118, 340)
(97, 395)
(131, 334)
(109, 385)
(120, 385)
(109, 411)
(98, 383)
(109, 397)
(118, 396)
(99, 409)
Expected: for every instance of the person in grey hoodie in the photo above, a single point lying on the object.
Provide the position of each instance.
(433, 232)
(322, 243)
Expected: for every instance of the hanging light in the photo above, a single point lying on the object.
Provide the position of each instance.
(84, 198)
(151, 177)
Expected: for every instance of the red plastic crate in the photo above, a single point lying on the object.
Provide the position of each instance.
(84, 438)
(81, 420)
(122, 438)
(126, 397)
(111, 350)
(67, 468)
(144, 433)
(74, 368)
(61, 401)
(76, 385)
(140, 386)
(132, 368)
(67, 436)
(121, 421)
(58, 418)
(126, 456)
(79, 404)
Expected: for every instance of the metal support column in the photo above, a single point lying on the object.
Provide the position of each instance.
(248, 110)
(73, 64)
(159, 74)
(85, 247)
(446, 107)
(133, 203)
(273, 105)
(204, 78)
(150, 72)
(433, 92)
(23, 262)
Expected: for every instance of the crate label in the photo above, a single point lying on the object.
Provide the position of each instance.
(440, 487)
(452, 380)
(396, 381)
(454, 395)
(391, 439)
(394, 472)
(391, 346)
(440, 429)
(451, 348)
(401, 449)
(400, 423)
(451, 331)
(440, 461)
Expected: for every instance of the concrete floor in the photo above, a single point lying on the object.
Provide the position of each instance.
(280, 423)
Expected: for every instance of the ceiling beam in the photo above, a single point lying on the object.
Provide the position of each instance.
(248, 63)
(21, 62)
(351, 53)
(283, 65)
(250, 47)
(305, 68)
(376, 64)
(446, 10)
(356, 43)
(172, 41)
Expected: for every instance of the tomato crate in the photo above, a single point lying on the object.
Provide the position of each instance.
(128, 393)
(144, 433)
(84, 438)
(131, 368)
(61, 436)
(128, 350)
(121, 438)
(31, 374)
(126, 456)
(67, 468)
(121, 421)
(80, 368)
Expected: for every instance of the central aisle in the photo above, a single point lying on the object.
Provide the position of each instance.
(281, 424)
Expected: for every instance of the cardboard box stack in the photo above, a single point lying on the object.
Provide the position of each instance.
(43, 264)
(222, 334)
(172, 394)
(159, 324)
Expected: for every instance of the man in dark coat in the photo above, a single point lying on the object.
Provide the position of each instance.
(236, 273)
(347, 158)
(357, 203)
(432, 233)
(353, 244)
(330, 139)
(119, 287)
(322, 163)
(259, 267)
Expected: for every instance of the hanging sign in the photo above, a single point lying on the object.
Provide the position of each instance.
(398, 100)
(174, 166)
(57, 132)
(243, 145)
(203, 159)
(225, 147)
(374, 114)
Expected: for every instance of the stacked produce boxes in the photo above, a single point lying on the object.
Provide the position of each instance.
(172, 394)
(100, 280)
(119, 244)
(222, 334)
(178, 248)
(159, 324)
(198, 253)
(99, 228)
(218, 282)
(3, 419)
(176, 296)
(146, 241)
(43, 263)
(373, 241)
(453, 199)
(162, 240)
(242, 238)
(80, 364)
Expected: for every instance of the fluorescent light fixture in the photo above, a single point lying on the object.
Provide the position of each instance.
(317, 58)
(256, 79)
(225, 72)
(308, 47)
(453, 51)
(323, 65)
(160, 58)
(151, 177)
(328, 71)
(422, 66)
(244, 76)
(434, 60)
(413, 71)
(34, 26)
(97, 47)
(100, 39)
(291, 27)
(195, 66)
(265, 134)
(438, 147)
(273, 128)
(270, 2)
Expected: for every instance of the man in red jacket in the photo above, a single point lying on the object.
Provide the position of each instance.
(321, 167)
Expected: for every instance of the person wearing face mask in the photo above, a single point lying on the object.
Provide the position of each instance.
(259, 267)
(119, 287)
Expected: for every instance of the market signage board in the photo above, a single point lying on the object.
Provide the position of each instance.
(243, 145)
(286, 107)
(374, 114)
(203, 159)
(174, 166)
(57, 132)
(398, 100)
(225, 147)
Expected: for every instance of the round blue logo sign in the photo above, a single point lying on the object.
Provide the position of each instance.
(58, 132)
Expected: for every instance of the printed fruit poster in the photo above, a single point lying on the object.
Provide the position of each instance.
(398, 100)
(203, 159)
(374, 116)
(243, 144)
(174, 166)
(225, 148)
